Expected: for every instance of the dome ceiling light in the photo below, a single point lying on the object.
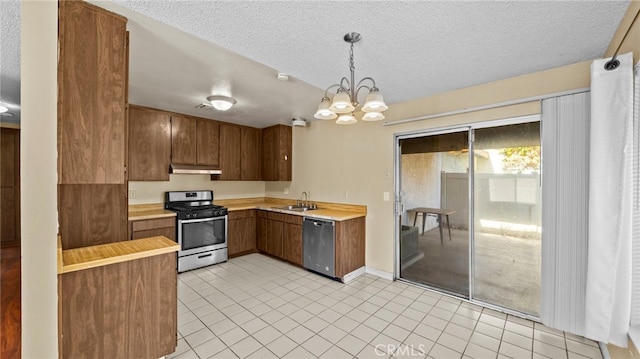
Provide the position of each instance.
(345, 101)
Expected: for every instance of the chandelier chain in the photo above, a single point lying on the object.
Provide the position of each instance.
(352, 66)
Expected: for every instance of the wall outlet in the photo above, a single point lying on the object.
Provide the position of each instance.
(132, 194)
(286, 190)
(385, 196)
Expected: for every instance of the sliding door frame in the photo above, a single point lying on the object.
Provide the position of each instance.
(399, 206)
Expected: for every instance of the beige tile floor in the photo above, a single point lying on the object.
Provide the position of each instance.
(258, 307)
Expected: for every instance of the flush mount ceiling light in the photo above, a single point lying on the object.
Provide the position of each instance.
(221, 103)
(3, 109)
(345, 101)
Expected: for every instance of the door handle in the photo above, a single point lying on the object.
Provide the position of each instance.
(205, 255)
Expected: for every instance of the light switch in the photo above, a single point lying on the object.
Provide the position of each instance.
(385, 196)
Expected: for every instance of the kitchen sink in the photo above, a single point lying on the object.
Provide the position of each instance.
(296, 208)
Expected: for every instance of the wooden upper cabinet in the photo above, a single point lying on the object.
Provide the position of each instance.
(230, 147)
(149, 144)
(276, 153)
(207, 142)
(92, 94)
(251, 154)
(183, 140)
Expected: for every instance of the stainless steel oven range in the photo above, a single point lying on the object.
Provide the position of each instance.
(201, 227)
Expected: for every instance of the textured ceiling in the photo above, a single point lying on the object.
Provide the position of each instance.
(183, 51)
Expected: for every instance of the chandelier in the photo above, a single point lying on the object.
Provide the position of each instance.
(345, 101)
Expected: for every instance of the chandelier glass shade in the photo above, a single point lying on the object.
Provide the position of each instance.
(345, 101)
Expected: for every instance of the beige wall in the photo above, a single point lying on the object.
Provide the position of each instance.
(38, 179)
(632, 41)
(153, 192)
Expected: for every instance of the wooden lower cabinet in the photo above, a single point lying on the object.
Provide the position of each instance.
(292, 247)
(262, 227)
(153, 227)
(122, 310)
(350, 245)
(275, 235)
(241, 232)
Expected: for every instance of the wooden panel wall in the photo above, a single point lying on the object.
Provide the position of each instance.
(92, 85)
(92, 214)
(123, 310)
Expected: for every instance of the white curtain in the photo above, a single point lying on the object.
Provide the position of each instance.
(565, 184)
(608, 294)
(634, 330)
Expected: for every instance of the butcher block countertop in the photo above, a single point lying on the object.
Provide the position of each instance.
(70, 260)
(330, 211)
(149, 211)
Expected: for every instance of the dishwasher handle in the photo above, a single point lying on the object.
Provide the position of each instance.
(318, 222)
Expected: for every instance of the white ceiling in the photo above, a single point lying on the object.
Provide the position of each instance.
(183, 51)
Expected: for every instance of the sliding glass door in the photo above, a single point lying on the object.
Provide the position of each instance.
(470, 213)
(434, 235)
(507, 216)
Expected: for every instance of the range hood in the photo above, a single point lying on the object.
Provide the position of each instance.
(194, 169)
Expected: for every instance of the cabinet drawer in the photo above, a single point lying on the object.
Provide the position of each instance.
(148, 224)
(262, 214)
(167, 232)
(276, 216)
(248, 213)
(293, 219)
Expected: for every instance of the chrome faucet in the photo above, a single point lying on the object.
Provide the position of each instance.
(306, 198)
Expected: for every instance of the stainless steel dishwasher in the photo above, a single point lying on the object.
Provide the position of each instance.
(319, 242)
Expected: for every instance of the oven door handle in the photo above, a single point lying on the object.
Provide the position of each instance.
(202, 219)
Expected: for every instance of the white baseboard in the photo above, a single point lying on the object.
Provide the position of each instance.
(379, 273)
(353, 275)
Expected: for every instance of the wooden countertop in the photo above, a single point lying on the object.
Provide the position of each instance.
(70, 260)
(330, 211)
(149, 211)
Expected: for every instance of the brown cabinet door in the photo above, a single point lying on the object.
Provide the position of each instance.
(234, 236)
(149, 144)
(293, 243)
(250, 154)
(276, 153)
(230, 148)
(275, 238)
(92, 88)
(183, 140)
(207, 142)
(262, 227)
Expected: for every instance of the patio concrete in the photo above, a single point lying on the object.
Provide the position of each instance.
(507, 268)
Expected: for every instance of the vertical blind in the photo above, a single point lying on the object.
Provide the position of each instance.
(565, 182)
(634, 330)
